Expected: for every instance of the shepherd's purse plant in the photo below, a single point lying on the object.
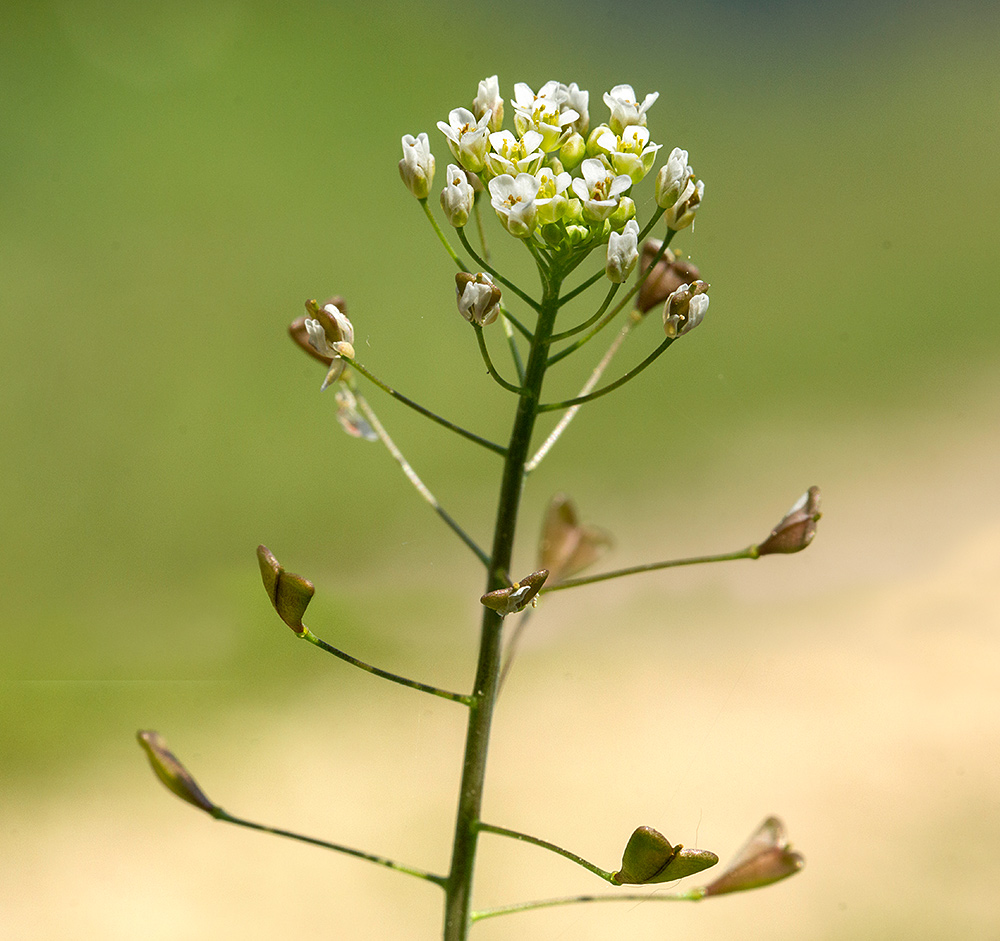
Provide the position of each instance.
(564, 191)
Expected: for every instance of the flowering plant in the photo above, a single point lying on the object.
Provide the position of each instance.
(564, 190)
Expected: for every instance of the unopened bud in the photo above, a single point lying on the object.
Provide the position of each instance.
(329, 334)
(572, 152)
(489, 101)
(567, 547)
(516, 598)
(457, 196)
(668, 274)
(478, 297)
(649, 858)
(290, 594)
(171, 772)
(623, 252)
(685, 308)
(417, 166)
(797, 527)
(766, 858)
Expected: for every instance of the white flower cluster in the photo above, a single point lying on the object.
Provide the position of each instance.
(553, 178)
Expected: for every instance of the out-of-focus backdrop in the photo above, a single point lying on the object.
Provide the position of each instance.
(176, 178)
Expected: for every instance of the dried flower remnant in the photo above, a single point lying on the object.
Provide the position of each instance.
(668, 274)
(797, 527)
(566, 546)
(766, 858)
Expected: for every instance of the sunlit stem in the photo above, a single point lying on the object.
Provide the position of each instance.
(611, 386)
(427, 413)
(749, 553)
(489, 269)
(411, 475)
(220, 814)
(692, 895)
(510, 387)
(385, 674)
(544, 844)
(444, 238)
(611, 314)
(587, 388)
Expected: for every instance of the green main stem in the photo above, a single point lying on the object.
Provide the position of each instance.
(458, 887)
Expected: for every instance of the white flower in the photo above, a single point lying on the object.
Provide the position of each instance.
(550, 201)
(417, 166)
(513, 198)
(478, 298)
(488, 101)
(629, 152)
(685, 308)
(331, 335)
(467, 138)
(599, 189)
(677, 190)
(625, 110)
(623, 252)
(546, 112)
(513, 156)
(457, 197)
(578, 100)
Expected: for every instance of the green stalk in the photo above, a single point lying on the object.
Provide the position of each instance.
(457, 915)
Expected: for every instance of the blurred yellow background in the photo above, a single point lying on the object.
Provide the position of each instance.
(176, 179)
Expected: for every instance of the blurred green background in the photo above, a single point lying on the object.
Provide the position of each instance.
(176, 179)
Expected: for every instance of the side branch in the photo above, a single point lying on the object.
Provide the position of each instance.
(427, 413)
(220, 814)
(490, 368)
(544, 844)
(749, 553)
(308, 635)
(692, 895)
(489, 269)
(411, 475)
(611, 386)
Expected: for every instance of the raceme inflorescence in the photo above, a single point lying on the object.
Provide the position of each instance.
(566, 191)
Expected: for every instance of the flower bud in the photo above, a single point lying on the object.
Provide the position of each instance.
(677, 190)
(685, 308)
(489, 101)
(516, 598)
(478, 297)
(667, 276)
(171, 772)
(566, 547)
(797, 527)
(766, 858)
(290, 594)
(417, 166)
(573, 151)
(623, 252)
(457, 197)
(649, 858)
